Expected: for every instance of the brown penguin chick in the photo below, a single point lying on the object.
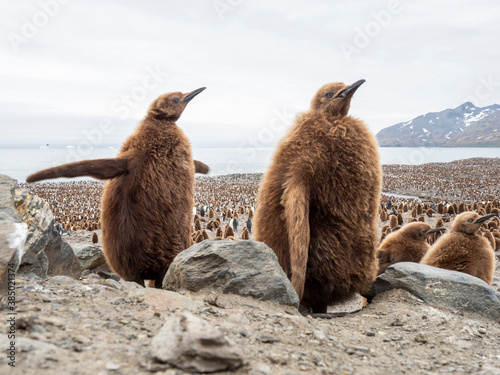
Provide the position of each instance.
(205, 235)
(218, 238)
(229, 232)
(411, 220)
(461, 208)
(393, 221)
(430, 212)
(196, 217)
(421, 218)
(219, 233)
(439, 223)
(451, 210)
(95, 238)
(244, 234)
(462, 249)
(230, 238)
(405, 245)
(440, 208)
(414, 212)
(318, 202)
(211, 213)
(199, 238)
(146, 206)
(197, 225)
(420, 209)
(383, 215)
(400, 219)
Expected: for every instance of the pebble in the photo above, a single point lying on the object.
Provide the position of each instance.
(421, 338)
(369, 333)
(319, 334)
(111, 366)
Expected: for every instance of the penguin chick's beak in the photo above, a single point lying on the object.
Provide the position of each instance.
(351, 89)
(436, 230)
(192, 94)
(484, 218)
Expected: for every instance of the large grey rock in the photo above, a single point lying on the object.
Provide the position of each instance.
(192, 344)
(90, 256)
(44, 251)
(12, 234)
(441, 288)
(246, 268)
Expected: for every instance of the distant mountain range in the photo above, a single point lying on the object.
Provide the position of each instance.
(464, 126)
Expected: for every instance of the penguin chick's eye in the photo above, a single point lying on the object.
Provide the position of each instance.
(175, 100)
(424, 231)
(470, 221)
(329, 94)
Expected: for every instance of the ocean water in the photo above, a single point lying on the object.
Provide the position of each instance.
(19, 163)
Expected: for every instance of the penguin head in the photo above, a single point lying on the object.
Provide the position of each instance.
(335, 98)
(420, 231)
(170, 106)
(469, 222)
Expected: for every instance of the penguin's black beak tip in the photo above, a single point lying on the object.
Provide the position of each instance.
(436, 230)
(484, 218)
(192, 94)
(351, 89)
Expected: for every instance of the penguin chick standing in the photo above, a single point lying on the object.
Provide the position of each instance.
(318, 202)
(409, 244)
(147, 202)
(462, 249)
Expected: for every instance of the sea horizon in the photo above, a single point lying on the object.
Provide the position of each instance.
(18, 163)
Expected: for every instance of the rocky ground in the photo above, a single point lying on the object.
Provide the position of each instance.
(99, 326)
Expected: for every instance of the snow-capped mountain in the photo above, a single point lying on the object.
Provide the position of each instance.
(465, 125)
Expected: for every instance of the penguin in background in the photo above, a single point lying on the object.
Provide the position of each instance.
(249, 225)
(463, 249)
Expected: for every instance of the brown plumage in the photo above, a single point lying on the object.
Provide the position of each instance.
(393, 221)
(205, 235)
(244, 234)
(211, 213)
(400, 219)
(197, 224)
(229, 232)
(383, 215)
(147, 202)
(318, 202)
(440, 208)
(463, 249)
(95, 238)
(430, 212)
(219, 233)
(451, 210)
(421, 218)
(406, 245)
(199, 238)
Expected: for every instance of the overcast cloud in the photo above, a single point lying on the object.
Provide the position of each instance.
(89, 63)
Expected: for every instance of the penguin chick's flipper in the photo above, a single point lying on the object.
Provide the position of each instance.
(200, 167)
(102, 169)
(295, 201)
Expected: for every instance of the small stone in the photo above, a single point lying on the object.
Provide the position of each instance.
(194, 345)
(319, 334)
(111, 366)
(267, 339)
(369, 333)
(313, 342)
(421, 338)
(261, 369)
(113, 284)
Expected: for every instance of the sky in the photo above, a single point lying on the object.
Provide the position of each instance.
(74, 72)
